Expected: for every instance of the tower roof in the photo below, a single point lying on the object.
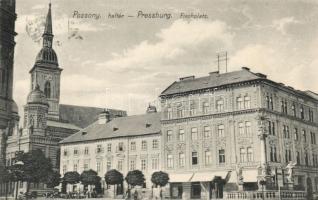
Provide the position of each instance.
(37, 96)
(48, 24)
(47, 55)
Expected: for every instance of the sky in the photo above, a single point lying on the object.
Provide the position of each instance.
(124, 63)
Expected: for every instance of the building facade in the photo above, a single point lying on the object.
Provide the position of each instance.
(124, 143)
(228, 132)
(8, 108)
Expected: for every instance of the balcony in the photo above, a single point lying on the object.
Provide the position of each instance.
(273, 195)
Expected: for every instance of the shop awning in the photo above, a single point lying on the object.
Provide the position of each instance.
(180, 178)
(208, 176)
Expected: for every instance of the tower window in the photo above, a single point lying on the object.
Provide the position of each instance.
(47, 89)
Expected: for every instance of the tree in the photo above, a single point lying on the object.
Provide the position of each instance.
(36, 167)
(53, 179)
(134, 178)
(160, 179)
(71, 177)
(89, 177)
(5, 175)
(114, 177)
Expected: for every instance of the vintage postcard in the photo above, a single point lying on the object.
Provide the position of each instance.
(144, 99)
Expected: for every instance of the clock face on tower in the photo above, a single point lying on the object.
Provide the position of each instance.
(48, 77)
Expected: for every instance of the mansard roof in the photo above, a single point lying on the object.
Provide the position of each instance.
(215, 79)
(135, 125)
(82, 116)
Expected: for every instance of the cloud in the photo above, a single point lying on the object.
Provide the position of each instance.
(183, 44)
(282, 24)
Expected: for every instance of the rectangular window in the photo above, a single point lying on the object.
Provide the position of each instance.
(144, 145)
(192, 108)
(205, 108)
(304, 136)
(208, 158)
(313, 137)
(155, 144)
(155, 163)
(181, 159)
(241, 129)
(120, 146)
(302, 115)
(194, 158)
(108, 165)
(65, 152)
(179, 111)
(170, 161)
(296, 137)
(271, 103)
(294, 110)
(64, 169)
(267, 102)
(169, 135)
(169, 111)
(86, 151)
(221, 130)
(86, 165)
(109, 147)
(132, 165)
(269, 127)
(99, 148)
(133, 146)
(298, 157)
(75, 167)
(239, 102)
(143, 165)
(286, 132)
(221, 156)
(207, 132)
(97, 167)
(194, 133)
(120, 165)
(219, 105)
(249, 154)
(242, 155)
(247, 102)
(181, 135)
(248, 129)
(306, 159)
(75, 152)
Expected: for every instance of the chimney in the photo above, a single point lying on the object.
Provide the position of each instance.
(246, 68)
(187, 78)
(214, 73)
(104, 117)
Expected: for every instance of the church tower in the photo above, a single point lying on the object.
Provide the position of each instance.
(46, 72)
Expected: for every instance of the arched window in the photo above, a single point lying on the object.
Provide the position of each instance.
(47, 89)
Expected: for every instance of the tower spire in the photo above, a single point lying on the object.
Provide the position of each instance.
(48, 30)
